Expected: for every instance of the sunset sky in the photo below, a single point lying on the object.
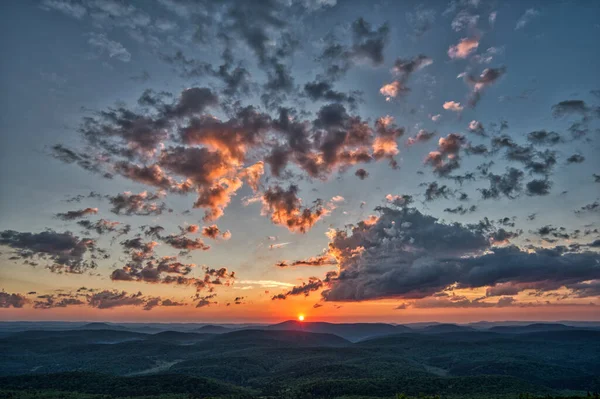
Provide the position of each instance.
(250, 161)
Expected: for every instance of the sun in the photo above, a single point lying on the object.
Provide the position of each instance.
(300, 317)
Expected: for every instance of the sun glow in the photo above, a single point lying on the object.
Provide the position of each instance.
(300, 317)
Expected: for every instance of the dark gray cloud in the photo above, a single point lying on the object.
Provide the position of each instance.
(410, 255)
(478, 84)
(576, 158)
(544, 137)
(72, 215)
(8, 300)
(509, 185)
(143, 204)
(65, 252)
(538, 187)
(361, 174)
(313, 284)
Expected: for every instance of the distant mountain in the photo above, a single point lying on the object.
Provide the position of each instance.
(350, 331)
(244, 338)
(446, 328)
(537, 327)
(212, 329)
(103, 326)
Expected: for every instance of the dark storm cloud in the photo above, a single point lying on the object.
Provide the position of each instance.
(66, 252)
(72, 215)
(12, 300)
(410, 255)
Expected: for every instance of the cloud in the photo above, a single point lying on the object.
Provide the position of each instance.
(313, 284)
(464, 48)
(67, 7)
(479, 83)
(406, 254)
(185, 243)
(526, 18)
(12, 300)
(113, 49)
(391, 90)
(103, 226)
(204, 301)
(403, 69)
(538, 187)
(420, 20)
(461, 210)
(285, 209)
(323, 91)
(72, 215)
(569, 107)
(592, 207)
(509, 185)
(452, 106)
(447, 157)
(214, 232)
(575, 158)
(422, 136)
(368, 43)
(464, 20)
(65, 251)
(322, 260)
(50, 301)
(544, 137)
(142, 204)
(109, 299)
(361, 174)
(476, 127)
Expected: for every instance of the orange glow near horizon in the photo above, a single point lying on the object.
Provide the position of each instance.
(300, 317)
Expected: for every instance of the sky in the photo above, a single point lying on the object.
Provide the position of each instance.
(237, 161)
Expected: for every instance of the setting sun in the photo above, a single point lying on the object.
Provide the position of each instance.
(301, 317)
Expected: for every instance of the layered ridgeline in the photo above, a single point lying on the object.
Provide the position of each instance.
(299, 358)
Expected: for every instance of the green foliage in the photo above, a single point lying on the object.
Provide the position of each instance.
(99, 364)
